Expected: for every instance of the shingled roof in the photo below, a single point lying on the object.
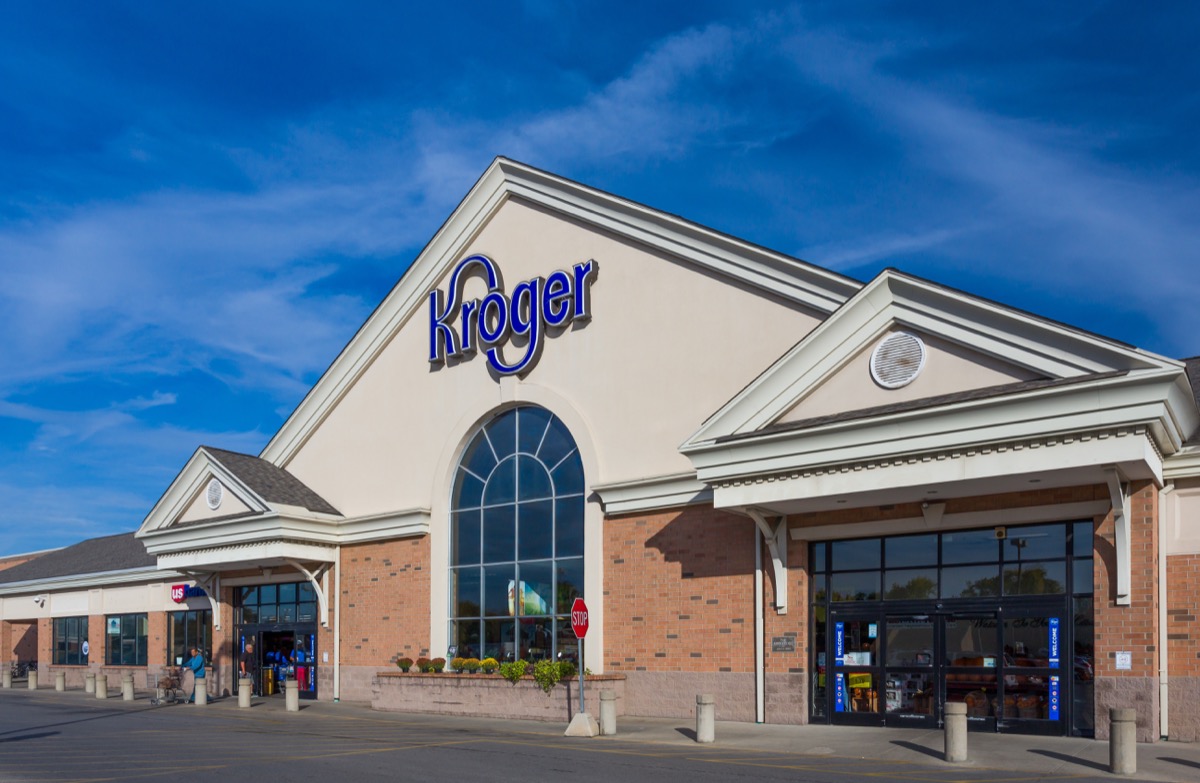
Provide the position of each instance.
(93, 556)
(272, 483)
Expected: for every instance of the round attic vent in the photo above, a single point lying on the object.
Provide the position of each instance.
(898, 360)
(214, 494)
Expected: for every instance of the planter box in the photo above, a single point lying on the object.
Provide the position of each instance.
(491, 696)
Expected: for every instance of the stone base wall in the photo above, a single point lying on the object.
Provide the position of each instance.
(1139, 693)
(786, 698)
(491, 696)
(673, 694)
(1183, 708)
(358, 683)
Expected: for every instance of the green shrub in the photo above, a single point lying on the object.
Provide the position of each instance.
(513, 671)
(547, 673)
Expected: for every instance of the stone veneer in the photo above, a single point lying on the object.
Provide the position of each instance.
(491, 696)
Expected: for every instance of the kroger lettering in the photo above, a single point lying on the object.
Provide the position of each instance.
(458, 328)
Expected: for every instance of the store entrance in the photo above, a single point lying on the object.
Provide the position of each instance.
(899, 669)
(283, 653)
(280, 621)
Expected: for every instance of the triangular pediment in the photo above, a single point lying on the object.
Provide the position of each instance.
(724, 264)
(969, 349)
(217, 485)
(936, 368)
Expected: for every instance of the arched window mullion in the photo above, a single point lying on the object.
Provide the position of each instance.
(527, 557)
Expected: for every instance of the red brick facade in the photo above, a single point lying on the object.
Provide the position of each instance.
(384, 596)
(679, 592)
(1132, 628)
(1183, 647)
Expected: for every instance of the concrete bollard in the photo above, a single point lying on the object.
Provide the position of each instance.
(101, 686)
(608, 713)
(33, 677)
(1122, 741)
(60, 681)
(245, 684)
(202, 691)
(127, 687)
(706, 718)
(291, 695)
(89, 682)
(6, 678)
(956, 732)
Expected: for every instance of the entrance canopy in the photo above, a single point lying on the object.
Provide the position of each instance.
(915, 393)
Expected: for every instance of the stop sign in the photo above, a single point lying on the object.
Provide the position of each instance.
(579, 618)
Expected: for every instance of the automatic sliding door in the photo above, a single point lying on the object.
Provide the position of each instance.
(1033, 673)
(971, 646)
(910, 679)
(857, 697)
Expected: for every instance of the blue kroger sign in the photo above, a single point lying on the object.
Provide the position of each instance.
(458, 328)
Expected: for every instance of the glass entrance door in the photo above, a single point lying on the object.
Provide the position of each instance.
(1033, 670)
(971, 656)
(911, 684)
(857, 673)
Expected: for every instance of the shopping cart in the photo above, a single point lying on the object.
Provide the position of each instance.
(170, 687)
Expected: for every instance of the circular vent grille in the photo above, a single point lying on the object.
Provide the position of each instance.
(214, 494)
(898, 360)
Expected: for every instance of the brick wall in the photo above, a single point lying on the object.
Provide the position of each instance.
(1133, 628)
(385, 600)
(1183, 647)
(679, 592)
(679, 610)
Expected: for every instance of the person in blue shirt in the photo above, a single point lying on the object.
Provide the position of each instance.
(196, 664)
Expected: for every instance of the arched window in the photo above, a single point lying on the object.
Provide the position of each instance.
(516, 551)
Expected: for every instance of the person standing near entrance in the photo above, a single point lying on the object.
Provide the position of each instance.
(196, 664)
(248, 667)
(298, 660)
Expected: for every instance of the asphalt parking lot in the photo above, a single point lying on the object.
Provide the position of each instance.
(60, 737)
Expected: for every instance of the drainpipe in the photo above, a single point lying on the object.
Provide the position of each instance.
(1163, 652)
(337, 627)
(759, 664)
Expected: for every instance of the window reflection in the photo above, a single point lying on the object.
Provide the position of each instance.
(518, 511)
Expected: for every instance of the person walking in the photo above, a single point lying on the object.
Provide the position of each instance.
(196, 664)
(248, 667)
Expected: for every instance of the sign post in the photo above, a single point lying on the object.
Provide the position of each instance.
(579, 624)
(582, 724)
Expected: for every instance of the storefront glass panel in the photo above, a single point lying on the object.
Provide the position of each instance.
(981, 617)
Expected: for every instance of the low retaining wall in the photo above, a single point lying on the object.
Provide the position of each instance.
(491, 696)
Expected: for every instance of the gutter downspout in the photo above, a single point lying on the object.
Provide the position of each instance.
(759, 663)
(337, 628)
(1163, 652)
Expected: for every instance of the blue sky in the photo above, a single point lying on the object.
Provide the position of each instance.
(200, 204)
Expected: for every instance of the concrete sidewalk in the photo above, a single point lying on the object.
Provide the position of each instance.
(1043, 756)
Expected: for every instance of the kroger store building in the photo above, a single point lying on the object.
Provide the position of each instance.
(818, 499)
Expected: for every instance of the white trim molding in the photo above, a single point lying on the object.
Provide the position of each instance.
(629, 497)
